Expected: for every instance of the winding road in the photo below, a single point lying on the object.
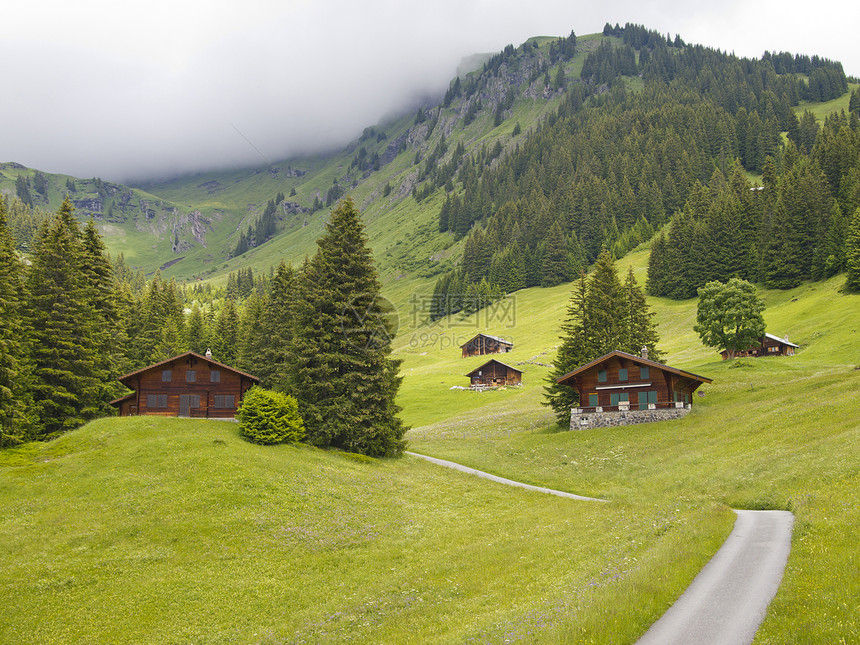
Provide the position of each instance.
(726, 602)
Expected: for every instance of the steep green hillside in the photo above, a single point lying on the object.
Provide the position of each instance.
(152, 232)
(145, 530)
(768, 433)
(149, 531)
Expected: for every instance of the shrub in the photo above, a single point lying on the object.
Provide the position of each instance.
(268, 417)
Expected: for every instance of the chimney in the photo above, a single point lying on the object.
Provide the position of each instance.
(645, 352)
(208, 353)
(786, 338)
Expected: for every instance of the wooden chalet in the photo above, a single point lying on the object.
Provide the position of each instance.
(621, 381)
(188, 385)
(770, 346)
(486, 344)
(494, 373)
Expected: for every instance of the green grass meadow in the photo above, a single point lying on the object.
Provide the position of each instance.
(148, 530)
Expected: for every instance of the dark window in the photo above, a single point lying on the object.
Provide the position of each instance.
(162, 400)
(214, 376)
(190, 376)
(643, 371)
(622, 374)
(601, 376)
(225, 401)
(166, 376)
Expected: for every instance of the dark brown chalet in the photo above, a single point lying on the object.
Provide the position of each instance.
(622, 381)
(486, 344)
(188, 385)
(770, 346)
(494, 373)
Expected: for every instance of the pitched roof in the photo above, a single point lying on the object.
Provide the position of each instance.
(124, 377)
(496, 338)
(784, 341)
(493, 360)
(636, 359)
(130, 395)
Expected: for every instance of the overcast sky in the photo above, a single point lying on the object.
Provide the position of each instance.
(135, 90)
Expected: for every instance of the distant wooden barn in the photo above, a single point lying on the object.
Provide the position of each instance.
(494, 373)
(621, 381)
(188, 385)
(770, 345)
(486, 344)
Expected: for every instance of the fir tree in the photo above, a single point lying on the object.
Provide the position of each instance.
(197, 330)
(852, 254)
(604, 307)
(13, 359)
(638, 329)
(555, 262)
(108, 332)
(225, 341)
(572, 353)
(277, 328)
(68, 373)
(340, 368)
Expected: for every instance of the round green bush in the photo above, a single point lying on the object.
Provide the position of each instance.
(268, 417)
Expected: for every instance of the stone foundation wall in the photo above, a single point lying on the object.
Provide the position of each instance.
(580, 420)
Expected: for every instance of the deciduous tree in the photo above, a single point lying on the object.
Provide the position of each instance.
(729, 315)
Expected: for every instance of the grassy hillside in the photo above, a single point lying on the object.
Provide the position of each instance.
(144, 530)
(768, 433)
(148, 530)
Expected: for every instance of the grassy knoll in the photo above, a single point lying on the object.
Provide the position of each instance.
(150, 530)
(769, 433)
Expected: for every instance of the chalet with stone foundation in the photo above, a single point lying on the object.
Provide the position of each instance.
(494, 373)
(770, 346)
(486, 344)
(188, 385)
(622, 389)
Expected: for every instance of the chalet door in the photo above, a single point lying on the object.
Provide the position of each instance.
(184, 405)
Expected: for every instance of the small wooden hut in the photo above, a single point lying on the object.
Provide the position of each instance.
(494, 373)
(188, 385)
(486, 344)
(770, 346)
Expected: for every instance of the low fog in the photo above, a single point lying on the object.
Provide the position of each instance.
(99, 90)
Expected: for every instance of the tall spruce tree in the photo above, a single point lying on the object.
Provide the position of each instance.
(108, 331)
(573, 352)
(13, 334)
(602, 315)
(638, 329)
(852, 254)
(340, 370)
(225, 343)
(69, 376)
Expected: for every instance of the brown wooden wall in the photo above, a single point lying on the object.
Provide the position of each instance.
(669, 387)
(496, 374)
(483, 345)
(768, 347)
(150, 382)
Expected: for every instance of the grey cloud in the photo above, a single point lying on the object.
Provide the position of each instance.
(309, 79)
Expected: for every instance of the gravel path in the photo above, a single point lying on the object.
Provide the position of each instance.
(726, 602)
(502, 480)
